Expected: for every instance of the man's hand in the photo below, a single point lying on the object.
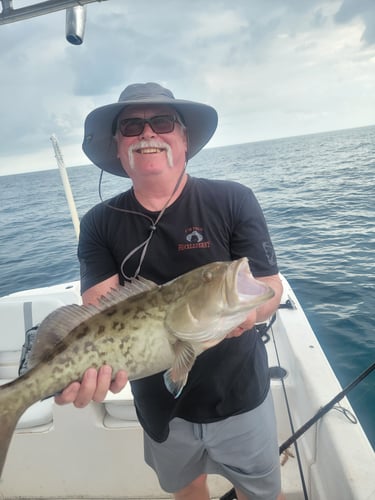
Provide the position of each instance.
(93, 387)
(246, 325)
(266, 310)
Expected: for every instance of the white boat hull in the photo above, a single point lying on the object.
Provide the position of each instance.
(97, 453)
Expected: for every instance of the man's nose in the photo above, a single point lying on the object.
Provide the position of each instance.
(147, 131)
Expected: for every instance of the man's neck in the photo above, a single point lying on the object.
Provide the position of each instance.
(156, 194)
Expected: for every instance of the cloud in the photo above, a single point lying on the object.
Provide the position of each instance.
(359, 9)
(272, 68)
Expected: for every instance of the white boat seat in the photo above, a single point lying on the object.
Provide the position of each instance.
(38, 415)
(17, 316)
(120, 410)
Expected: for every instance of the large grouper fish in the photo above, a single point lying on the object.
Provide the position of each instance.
(141, 327)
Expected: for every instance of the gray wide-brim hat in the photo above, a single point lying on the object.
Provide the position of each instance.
(99, 143)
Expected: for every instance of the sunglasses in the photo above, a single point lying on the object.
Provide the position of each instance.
(163, 124)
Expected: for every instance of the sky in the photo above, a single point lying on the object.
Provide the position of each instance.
(271, 68)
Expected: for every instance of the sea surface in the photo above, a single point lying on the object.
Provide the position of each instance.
(318, 196)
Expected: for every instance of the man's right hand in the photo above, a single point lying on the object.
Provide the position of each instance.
(94, 387)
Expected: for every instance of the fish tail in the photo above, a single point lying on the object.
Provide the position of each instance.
(11, 409)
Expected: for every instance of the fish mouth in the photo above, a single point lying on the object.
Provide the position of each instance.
(246, 286)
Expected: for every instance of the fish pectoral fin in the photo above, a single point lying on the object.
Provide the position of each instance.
(185, 355)
(175, 388)
(176, 377)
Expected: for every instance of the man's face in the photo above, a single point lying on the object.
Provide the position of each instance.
(150, 152)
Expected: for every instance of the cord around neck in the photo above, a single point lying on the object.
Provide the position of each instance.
(153, 225)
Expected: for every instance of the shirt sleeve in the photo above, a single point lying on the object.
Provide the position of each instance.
(250, 235)
(95, 257)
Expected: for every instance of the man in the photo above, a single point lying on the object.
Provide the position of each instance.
(167, 224)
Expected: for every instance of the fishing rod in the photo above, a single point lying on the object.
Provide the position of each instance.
(231, 494)
(325, 409)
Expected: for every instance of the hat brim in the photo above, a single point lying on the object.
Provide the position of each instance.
(100, 146)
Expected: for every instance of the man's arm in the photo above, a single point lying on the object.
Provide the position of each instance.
(266, 310)
(93, 294)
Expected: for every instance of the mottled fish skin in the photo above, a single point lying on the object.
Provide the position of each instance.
(142, 328)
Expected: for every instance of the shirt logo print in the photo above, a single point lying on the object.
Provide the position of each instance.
(194, 237)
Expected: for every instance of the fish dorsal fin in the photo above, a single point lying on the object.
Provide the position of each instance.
(58, 324)
(123, 292)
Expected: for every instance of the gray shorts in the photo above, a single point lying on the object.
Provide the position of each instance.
(242, 448)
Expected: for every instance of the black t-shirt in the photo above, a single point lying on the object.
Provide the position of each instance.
(210, 221)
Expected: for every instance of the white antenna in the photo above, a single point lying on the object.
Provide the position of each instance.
(66, 184)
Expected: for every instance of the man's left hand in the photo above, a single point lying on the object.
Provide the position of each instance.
(246, 325)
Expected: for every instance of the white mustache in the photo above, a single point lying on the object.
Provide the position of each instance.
(152, 143)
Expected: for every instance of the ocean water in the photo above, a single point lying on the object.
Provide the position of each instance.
(317, 193)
